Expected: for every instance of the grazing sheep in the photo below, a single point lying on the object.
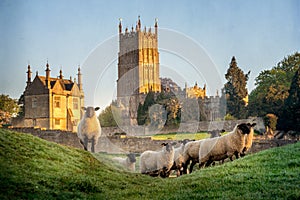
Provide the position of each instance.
(248, 140)
(128, 162)
(216, 133)
(191, 153)
(179, 159)
(220, 148)
(89, 129)
(157, 163)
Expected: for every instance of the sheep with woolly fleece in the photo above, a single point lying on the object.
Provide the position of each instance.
(156, 163)
(128, 162)
(191, 153)
(216, 133)
(179, 161)
(89, 129)
(248, 140)
(220, 148)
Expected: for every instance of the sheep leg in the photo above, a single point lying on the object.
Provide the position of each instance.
(93, 145)
(185, 166)
(192, 165)
(81, 142)
(243, 152)
(208, 163)
(85, 143)
(236, 155)
(201, 165)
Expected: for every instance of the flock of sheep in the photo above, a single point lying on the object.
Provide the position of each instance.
(205, 152)
(162, 163)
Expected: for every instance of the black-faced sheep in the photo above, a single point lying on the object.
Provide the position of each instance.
(89, 129)
(216, 133)
(156, 163)
(248, 140)
(191, 153)
(179, 161)
(128, 162)
(220, 148)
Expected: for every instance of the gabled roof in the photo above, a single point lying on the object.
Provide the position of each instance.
(65, 83)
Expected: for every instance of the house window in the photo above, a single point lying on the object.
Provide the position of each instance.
(56, 102)
(34, 103)
(57, 121)
(75, 103)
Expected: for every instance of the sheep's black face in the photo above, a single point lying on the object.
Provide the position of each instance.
(131, 157)
(168, 147)
(90, 112)
(245, 128)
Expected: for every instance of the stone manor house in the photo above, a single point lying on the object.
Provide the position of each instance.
(51, 102)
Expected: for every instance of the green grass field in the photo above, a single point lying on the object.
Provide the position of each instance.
(180, 136)
(32, 168)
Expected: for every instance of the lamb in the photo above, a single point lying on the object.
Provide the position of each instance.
(220, 148)
(179, 161)
(89, 129)
(191, 153)
(128, 162)
(157, 163)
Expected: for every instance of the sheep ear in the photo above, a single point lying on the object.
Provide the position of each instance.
(83, 108)
(185, 141)
(254, 124)
(164, 144)
(97, 108)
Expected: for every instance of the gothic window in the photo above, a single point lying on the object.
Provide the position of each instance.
(75, 103)
(57, 121)
(34, 103)
(56, 102)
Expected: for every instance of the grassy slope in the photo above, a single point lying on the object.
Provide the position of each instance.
(34, 168)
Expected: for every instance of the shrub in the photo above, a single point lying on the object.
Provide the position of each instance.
(270, 120)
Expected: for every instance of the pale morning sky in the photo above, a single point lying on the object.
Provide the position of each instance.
(68, 33)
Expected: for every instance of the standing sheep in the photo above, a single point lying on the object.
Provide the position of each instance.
(89, 129)
(248, 140)
(157, 163)
(128, 162)
(219, 148)
(191, 153)
(179, 161)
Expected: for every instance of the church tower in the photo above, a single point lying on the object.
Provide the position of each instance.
(138, 65)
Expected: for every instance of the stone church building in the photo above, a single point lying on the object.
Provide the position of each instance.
(138, 67)
(52, 102)
(138, 73)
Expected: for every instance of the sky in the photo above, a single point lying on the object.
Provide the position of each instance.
(197, 40)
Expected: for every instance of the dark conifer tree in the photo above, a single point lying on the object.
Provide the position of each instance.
(290, 117)
(235, 90)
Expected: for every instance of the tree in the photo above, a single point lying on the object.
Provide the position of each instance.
(143, 109)
(290, 116)
(8, 108)
(272, 87)
(235, 90)
(107, 118)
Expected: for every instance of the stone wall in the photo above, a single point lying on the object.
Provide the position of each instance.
(61, 137)
(202, 126)
(125, 144)
(111, 143)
